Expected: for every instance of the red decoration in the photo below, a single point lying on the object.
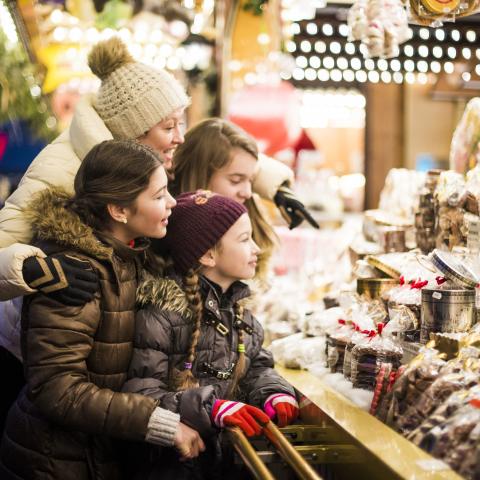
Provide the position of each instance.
(270, 113)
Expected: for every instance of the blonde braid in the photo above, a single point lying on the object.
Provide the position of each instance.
(241, 360)
(184, 379)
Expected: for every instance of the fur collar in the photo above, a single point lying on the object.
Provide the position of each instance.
(51, 221)
(163, 293)
(166, 294)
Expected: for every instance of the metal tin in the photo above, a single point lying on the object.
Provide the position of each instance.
(375, 287)
(454, 269)
(392, 239)
(446, 311)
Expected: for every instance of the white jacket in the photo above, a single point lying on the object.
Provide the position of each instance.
(57, 165)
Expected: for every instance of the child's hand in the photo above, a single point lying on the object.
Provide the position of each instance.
(188, 442)
(282, 406)
(249, 419)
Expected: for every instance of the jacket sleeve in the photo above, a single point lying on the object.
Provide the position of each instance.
(149, 372)
(56, 344)
(55, 165)
(261, 379)
(270, 175)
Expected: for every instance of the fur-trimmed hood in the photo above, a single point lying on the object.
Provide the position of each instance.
(51, 221)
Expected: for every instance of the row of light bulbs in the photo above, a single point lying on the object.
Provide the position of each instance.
(363, 76)
(408, 50)
(424, 33)
(356, 63)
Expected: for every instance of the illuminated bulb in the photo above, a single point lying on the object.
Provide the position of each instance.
(342, 63)
(361, 76)
(397, 77)
(310, 74)
(382, 64)
(386, 77)
(409, 65)
(440, 34)
(336, 75)
(320, 47)
(311, 28)
(295, 28)
(356, 63)
(424, 33)
(466, 53)
(435, 67)
(291, 46)
(305, 46)
(60, 34)
(335, 48)
(298, 74)
(343, 30)
(369, 64)
(408, 50)
(301, 61)
(437, 52)
(363, 50)
(423, 51)
(349, 75)
(395, 65)
(173, 63)
(328, 62)
(477, 70)
(471, 36)
(56, 16)
(283, 76)
(315, 62)
(350, 48)
(410, 77)
(422, 66)
(373, 77)
(452, 52)
(455, 34)
(448, 67)
(35, 91)
(327, 29)
(477, 53)
(466, 76)
(323, 75)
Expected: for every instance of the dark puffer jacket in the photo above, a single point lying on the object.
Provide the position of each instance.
(163, 331)
(76, 361)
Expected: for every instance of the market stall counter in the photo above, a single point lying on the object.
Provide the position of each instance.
(382, 453)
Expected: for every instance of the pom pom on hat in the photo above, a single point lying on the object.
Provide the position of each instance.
(108, 56)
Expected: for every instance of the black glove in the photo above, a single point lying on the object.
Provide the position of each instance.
(292, 210)
(66, 279)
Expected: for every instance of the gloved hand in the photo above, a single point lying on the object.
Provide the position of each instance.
(249, 419)
(282, 406)
(68, 280)
(292, 209)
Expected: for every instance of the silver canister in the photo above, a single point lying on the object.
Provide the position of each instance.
(446, 311)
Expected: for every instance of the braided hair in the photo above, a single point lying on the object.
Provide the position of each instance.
(184, 379)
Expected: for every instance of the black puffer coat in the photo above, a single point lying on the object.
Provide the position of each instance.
(163, 330)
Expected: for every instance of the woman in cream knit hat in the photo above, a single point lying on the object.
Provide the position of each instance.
(135, 101)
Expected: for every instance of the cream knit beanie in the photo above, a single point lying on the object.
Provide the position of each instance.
(133, 97)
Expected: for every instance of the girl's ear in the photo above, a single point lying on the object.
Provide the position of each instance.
(208, 259)
(119, 214)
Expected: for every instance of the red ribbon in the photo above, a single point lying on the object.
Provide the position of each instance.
(440, 280)
(380, 327)
(419, 284)
(341, 321)
(402, 280)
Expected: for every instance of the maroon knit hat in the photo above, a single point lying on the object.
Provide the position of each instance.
(197, 223)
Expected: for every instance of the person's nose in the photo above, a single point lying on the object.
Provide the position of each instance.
(171, 202)
(246, 191)
(178, 136)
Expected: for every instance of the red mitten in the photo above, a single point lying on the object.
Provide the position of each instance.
(282, 406)
(249, 419)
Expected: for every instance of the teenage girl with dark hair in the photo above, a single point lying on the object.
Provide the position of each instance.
(76, 357)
